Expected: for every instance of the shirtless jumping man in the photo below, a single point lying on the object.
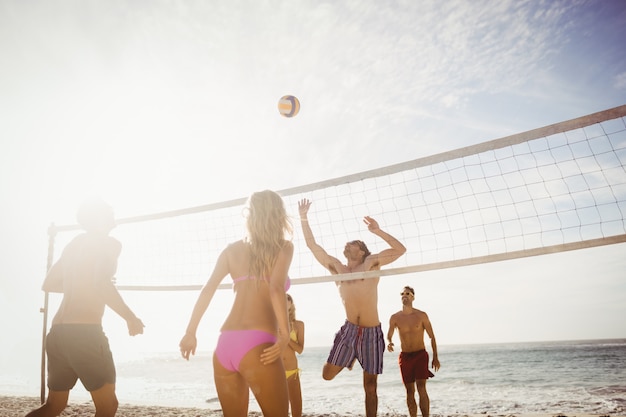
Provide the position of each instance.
(361, 336)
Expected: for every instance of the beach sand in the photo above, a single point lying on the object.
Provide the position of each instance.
(20, 406)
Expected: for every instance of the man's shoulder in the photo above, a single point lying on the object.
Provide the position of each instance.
(94, 239)
(108, 242)
(336, 267)
(396, 314)
(366, 266)
(371, 263)
(90, 246)
(414, 314)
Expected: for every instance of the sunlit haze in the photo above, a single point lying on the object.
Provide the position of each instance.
(163, 105)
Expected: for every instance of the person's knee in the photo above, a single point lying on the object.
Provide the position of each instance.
(107, 410)
(421, 387)
(370, 386)
(105, 400)
(55, 403)
(329, 371)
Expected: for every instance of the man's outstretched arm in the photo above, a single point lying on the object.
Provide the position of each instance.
(386, 256)
(319, 252)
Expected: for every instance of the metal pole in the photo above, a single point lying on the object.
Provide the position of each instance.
(51, 236)
(44, 310)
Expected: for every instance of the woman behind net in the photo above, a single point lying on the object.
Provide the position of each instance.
(256, 331)
(296, 345)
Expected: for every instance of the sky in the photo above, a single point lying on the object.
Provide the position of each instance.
(163, 105)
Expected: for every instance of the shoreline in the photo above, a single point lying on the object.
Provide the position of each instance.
(19, 406)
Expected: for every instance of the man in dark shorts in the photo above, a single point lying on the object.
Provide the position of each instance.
(411, 324)
(361, 337)
(76, 345)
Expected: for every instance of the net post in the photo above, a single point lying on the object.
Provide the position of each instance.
(52, 231)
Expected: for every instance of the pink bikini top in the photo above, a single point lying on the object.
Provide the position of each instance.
(239, 279)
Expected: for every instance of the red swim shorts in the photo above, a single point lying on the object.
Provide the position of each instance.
(414, 366)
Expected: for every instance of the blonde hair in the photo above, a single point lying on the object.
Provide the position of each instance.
(269, 228)
(291, 310)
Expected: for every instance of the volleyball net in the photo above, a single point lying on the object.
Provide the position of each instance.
(557, 188)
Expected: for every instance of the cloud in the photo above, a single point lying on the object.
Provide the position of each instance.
(620, 81)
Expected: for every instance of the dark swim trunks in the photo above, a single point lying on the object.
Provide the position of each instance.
(414, 366)
(78, 351)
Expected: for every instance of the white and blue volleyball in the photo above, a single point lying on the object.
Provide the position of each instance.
(288, 106)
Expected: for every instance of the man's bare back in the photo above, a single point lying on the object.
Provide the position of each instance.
(83, 275)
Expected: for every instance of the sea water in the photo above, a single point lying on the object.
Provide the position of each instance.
(543, 377)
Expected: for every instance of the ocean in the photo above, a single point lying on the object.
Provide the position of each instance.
(539, 377)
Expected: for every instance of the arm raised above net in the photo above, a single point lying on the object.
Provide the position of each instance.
(386, 256)
(329, 262)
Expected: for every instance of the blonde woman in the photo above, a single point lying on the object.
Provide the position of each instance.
(290, 361)
(256, 331)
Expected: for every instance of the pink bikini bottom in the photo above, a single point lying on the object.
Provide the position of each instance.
(233, 345)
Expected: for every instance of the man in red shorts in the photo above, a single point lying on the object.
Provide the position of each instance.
(411, 324)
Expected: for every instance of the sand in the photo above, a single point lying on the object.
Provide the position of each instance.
(20, 406)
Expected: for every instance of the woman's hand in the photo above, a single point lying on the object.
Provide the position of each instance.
(274, 352)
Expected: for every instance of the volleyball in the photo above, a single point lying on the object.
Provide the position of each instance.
(288, 106)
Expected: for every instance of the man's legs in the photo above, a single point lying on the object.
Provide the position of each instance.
(105, 400)
(54, 405)
(410, 399)
(370, 382)
(330, 371)
(342, 354)
(424, 400)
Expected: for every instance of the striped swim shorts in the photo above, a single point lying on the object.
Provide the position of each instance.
(365, 344)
